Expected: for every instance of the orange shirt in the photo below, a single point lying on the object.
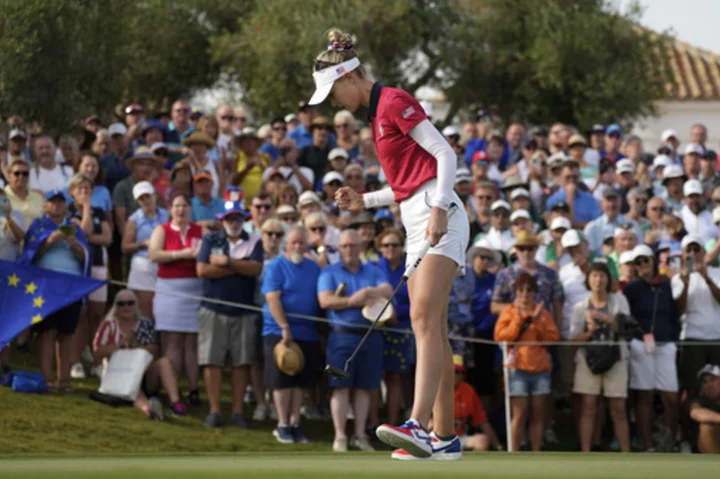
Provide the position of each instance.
(468, 408)
(531, 359)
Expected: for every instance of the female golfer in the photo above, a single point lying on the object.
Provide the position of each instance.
(420, 169)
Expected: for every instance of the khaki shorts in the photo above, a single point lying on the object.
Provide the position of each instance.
(613, 383)
(220, 335)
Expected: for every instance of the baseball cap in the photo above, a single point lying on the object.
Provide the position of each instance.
(134, 108)
(627, 257)
(690, 239)
(557, 160)
(479, 156)
(462, 174)
(159, 145)
(576, 140)
(333, 176)
(427, 107)
(338, 153)
(597, 128)
(560, 222)
(711, 369)
(291, 117)
(571, 238)
(142, 188)
(692, 187)
(150, 124)
(518, 193)
(54, 193)
(613, 129)
(384, 214)
(17, 133)
(451, 131)
(672, 171)
(716, 215)
(519, 214)
(117, 129)
(202, 175)
(500, 204)
(625, 166)
(610, 192)
(285, 210)
(325, 79)
(308, 197)
(710, 155)
(694, 149)
(642, 251)
(667, 134)
(233, 203)
(661, 160)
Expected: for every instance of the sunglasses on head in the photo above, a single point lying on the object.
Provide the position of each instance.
(641, 261)
(129, 302)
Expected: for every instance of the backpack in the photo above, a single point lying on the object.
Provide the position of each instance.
(600, 358)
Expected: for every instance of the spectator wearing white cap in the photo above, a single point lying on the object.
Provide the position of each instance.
(577, 146)
(627, 268)
(660, 162)
(114, 161)
(610, 219)
(552, 254)
(331, 182)
(653, 352)
(627, 178)
(673, 179)
(670, 139)
(691, 160)
(499, 237)
(697, 294)
(17, 143)
(697, 220)
(452, 135)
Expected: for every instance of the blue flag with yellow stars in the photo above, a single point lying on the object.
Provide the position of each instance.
(29, 294)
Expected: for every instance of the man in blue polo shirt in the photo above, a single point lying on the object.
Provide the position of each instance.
(229, 262)
(583, 206)
(363, 284)
(205, 206)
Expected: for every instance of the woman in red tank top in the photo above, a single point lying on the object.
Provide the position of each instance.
(174, 246)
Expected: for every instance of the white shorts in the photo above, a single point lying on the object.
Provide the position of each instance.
(143, 274)
(100, 294)
(415, 213)
(657, 371)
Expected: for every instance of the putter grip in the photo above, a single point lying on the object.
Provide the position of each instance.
(415, 263)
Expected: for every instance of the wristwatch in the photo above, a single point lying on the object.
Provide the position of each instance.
(321, 249)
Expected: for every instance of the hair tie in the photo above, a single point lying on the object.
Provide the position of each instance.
(340, 46)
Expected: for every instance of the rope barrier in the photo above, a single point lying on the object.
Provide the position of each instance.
(409, 331)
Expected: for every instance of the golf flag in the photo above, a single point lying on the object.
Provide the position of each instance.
(29, 294)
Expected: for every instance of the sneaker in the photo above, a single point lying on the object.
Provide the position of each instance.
(273, 412)
(239, 421)
(96, 371)
(260, 413)
(298, 434)
(410, 436)
(362, 444)
(213, 420)
(284, 435)
(340, 444)
(193, 399)
(77, 371)
(178, 409)
(87, 355)
(156, 409)
(442, 451)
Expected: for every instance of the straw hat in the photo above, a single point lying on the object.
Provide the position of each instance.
(525, 238)
(143, 153)
(289, 359)
(199, 137)
(371, 311)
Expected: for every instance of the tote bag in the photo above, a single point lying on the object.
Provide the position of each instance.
(124, 373)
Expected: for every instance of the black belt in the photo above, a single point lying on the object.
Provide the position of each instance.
(358, 332)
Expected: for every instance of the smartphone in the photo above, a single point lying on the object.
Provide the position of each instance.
(340, 291)
(68, 230)
(690, 263)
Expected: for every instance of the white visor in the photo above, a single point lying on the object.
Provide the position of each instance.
(325, 79)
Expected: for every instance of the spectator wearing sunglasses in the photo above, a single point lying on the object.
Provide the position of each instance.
(499, 237)
(316, 224)
(345, 126)
(697, 220)
(225, 117)
(652, 352)
(610, 219)
(27, 202)
(278, 132)
(612, 143)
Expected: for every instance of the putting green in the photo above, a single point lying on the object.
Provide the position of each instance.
(359, 465)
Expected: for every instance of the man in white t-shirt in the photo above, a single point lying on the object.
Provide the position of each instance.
(47, 174)
(697, 220)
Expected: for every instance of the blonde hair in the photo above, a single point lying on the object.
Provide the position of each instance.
(352, 167)
(341, 48)
(345, 116)
(315, 217)
(77, 179)
(271, 223)
(110, 316)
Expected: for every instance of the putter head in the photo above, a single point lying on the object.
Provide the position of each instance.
(336, 372)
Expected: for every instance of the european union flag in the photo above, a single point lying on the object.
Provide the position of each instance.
(29, 294)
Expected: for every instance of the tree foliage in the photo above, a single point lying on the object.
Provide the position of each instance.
(577, 61)
(63, 59)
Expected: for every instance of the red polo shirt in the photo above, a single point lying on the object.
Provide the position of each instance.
(393, 113)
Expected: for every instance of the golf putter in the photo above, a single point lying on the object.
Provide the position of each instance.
(343, 374)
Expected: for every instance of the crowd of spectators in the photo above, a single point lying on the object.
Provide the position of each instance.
(575, 236)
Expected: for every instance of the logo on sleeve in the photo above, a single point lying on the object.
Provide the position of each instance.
(407, 112)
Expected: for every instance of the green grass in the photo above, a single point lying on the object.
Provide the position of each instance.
(360, 465)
